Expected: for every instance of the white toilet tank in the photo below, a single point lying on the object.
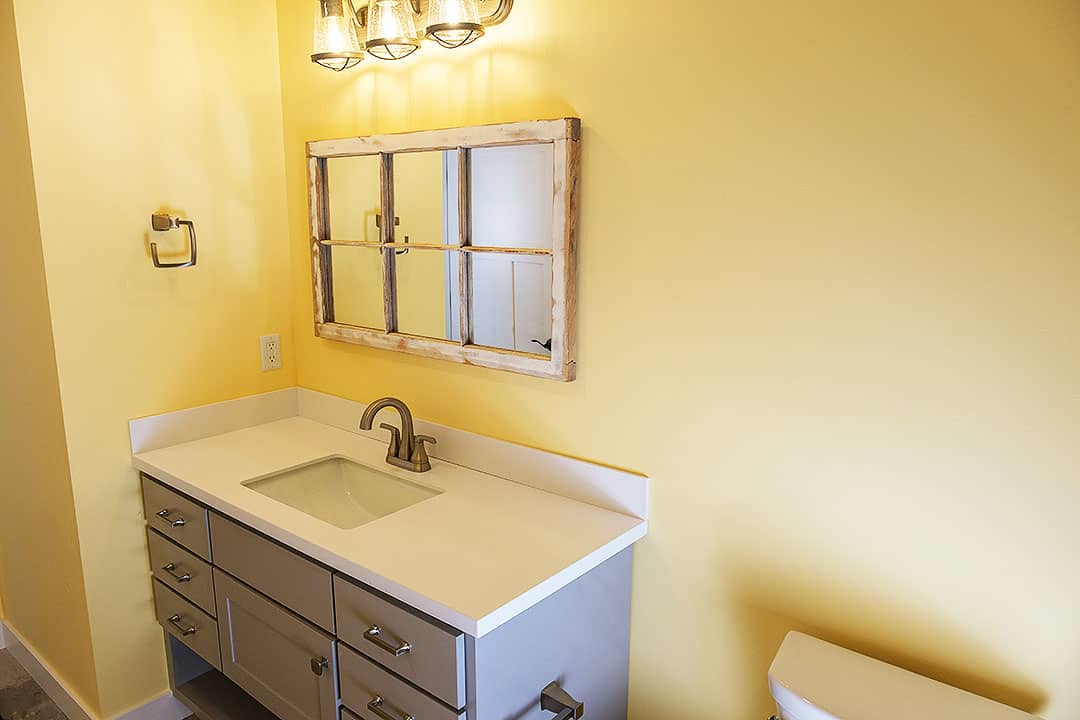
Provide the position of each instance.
(811, 679)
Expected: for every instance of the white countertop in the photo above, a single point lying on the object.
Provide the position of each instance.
(474, 556)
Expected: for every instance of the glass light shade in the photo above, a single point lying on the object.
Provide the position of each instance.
(336, 44)
(391, 30)
(453, 23)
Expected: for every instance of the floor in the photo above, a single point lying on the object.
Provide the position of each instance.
(20, 697)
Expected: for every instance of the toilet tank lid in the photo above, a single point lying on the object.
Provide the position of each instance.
(815, 680)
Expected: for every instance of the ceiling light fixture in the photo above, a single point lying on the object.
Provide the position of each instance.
(391, 27)
(336, 44)
(454, 23)
(391, 30)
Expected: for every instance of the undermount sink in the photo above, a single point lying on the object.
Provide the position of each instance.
(341, 492)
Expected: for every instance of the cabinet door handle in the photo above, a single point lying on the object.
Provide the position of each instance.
(554, 699)
(318, 665)
(179, 576)
(178, 522)
(376, 706)
(374, 634)
(185, 630)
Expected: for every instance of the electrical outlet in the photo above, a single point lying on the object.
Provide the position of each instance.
(270, 351)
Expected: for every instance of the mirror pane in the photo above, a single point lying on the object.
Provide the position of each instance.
(354, 197)
(358, 286)
(512, 301)
(427, 289)
(513, 196)
(425, 197)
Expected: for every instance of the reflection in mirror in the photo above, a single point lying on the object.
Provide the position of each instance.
(512, 302)
(512, 197)
(425, 281)
(425, 197)
(358, 286)
(354, 197)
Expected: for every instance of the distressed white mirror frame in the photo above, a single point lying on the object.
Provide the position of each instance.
(565, 137)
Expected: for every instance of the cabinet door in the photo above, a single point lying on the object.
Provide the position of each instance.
(283, 662)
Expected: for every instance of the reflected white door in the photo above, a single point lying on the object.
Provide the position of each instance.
(512, 302)
(511, 207)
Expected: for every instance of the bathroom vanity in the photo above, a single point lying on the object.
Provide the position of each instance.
(298, 576)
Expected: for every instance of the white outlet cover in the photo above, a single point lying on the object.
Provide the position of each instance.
(270, 352)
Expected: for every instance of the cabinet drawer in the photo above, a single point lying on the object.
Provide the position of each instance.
(374, 694)
(280, 660)
(381, 629)
(180, 519)
(187, 623)
(181, 570)
(287, 577)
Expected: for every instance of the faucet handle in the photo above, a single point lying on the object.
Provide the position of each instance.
(395, 438)
(420, 456)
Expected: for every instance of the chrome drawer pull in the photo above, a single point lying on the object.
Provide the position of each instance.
(376, 706)
(178, 522)
(318, 665)
(180, 577)
(184, 630)
(374, 634)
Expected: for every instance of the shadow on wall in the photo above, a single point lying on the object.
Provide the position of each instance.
(766, 606)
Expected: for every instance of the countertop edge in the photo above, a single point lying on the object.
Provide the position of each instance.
(476, 627)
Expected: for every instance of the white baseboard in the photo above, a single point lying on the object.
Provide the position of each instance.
(163, 707)
(68, 702)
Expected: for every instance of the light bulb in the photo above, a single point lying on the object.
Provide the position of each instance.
(453, 23)
(391, 31)
(335, 44)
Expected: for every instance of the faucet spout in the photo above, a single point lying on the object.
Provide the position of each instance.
(409, 453)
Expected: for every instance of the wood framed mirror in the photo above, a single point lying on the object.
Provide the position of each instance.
(456, 244)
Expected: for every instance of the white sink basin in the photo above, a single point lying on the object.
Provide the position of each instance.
(341, 492)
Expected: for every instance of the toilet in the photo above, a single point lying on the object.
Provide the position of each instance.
(811, 679)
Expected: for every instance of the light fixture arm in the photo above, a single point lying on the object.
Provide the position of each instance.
(497, 16)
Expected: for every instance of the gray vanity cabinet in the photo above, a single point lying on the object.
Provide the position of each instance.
(182, 571)
(179, 518)
(187, 623)
(423, 651)
(285, 663)
(258, 631)
(292, 580)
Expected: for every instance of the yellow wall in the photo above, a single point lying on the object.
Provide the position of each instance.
(132, 107)
(43, 591)
(832, 245)
(832, 248)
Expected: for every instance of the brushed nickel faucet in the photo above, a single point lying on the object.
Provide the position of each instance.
(406, 449)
